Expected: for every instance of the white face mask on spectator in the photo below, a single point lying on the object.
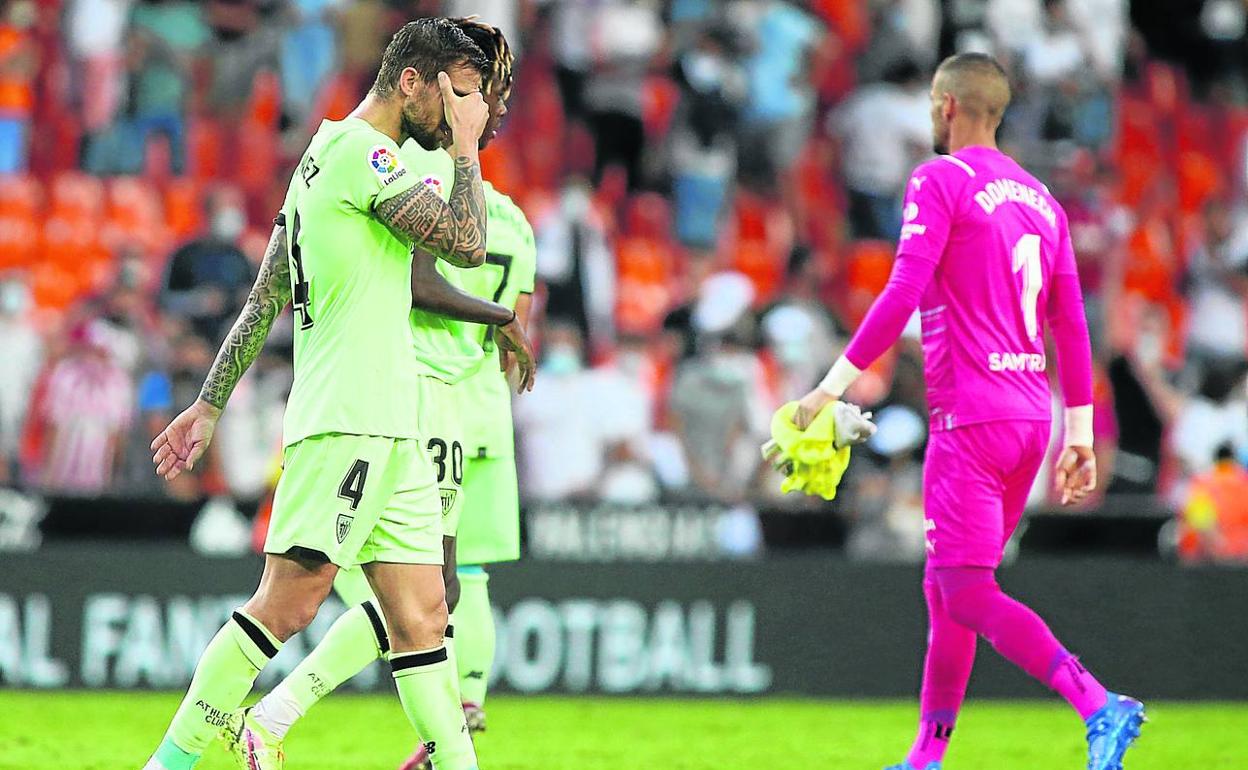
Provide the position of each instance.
(228, 223)
(14, 298)
(562, 360)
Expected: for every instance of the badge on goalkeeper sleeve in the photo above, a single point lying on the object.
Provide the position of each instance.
(814, 460)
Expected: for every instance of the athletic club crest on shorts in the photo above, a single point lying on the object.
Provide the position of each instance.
(448, 500)
(344, 527)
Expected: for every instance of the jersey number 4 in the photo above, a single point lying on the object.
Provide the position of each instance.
(300, 295)
(1027, 261)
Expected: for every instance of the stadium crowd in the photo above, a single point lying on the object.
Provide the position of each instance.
(714, 186)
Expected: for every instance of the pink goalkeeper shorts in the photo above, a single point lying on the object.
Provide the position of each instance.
(976, 480)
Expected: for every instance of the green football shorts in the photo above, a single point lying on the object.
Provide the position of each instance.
(357, 499)
(489, 527)
(438, 417)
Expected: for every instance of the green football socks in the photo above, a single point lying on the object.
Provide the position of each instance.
(429, 691)
(356, 639)
(223, 677)
(474, 637)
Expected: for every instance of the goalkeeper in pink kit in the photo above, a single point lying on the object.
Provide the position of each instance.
(985, 256)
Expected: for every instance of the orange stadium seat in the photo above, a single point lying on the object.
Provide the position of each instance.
(646, 259)
(335, 101)
(183, 207)
(78, 196)
(265, 105)
(135, 215)
(867, 267)
(20, 196)
(501, 164)
(204, 149)
(19, 241)
(760, 249)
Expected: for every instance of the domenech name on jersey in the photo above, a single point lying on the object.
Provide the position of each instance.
(999, 191)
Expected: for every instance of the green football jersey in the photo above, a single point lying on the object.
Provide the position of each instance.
(351, 282)
(446, 349)
(509, 271)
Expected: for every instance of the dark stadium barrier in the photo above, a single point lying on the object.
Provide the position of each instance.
(128, 616)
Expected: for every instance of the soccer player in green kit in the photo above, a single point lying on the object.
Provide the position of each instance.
(358, 487)
(449, 353)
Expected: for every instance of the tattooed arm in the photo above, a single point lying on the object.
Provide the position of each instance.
(269, 295)
(454, 230)
(180, 445)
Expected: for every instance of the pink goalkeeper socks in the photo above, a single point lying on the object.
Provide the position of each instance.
(974, 600)
(946, 671)
(1073, 682)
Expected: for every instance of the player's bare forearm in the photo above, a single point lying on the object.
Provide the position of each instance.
(524, 306)
(432, 292)
(269, 295)
(453, 230)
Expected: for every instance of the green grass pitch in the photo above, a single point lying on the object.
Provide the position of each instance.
(115, 731)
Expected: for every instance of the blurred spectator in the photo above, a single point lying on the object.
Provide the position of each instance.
(576, 263)
(1145, 403)
(1213, 522)
(165, 36)
(1218, 275)
(362, 33)
(21, 350)
(208, 278)
(96, 32)
(243, 45)
(18, 65)
(1102, 26)
(884, 129)
(719, 415)
(802, 340)
(780, 94)
(902, 31)
(249, 436)
(603, 451)
(309, 52)
(82, 414)
(626, 37)
(1214, 416)
(1056, 52)
(704, 138)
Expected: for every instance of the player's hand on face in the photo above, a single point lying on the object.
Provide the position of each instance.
(183, 442)
(466, 115)
(516, 351)
(1076, 473)
(810, 406)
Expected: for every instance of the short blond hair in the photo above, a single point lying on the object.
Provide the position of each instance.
(978, 82)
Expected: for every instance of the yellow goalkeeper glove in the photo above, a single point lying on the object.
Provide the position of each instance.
(813, 461)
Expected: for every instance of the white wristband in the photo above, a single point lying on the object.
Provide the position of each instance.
(839, 377)
(1078, 426)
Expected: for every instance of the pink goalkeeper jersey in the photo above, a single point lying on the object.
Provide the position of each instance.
(998, 240)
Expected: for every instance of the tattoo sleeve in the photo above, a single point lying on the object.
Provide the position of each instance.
(269, 295)
(454, 230)
(432, 292)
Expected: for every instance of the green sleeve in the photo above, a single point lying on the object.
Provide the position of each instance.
(525, 265)
(435, 168)
(367, 168)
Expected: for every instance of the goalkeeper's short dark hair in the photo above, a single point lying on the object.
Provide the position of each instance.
(429, 46)
(493, 43)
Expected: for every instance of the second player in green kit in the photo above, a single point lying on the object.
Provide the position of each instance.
(445, 354)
